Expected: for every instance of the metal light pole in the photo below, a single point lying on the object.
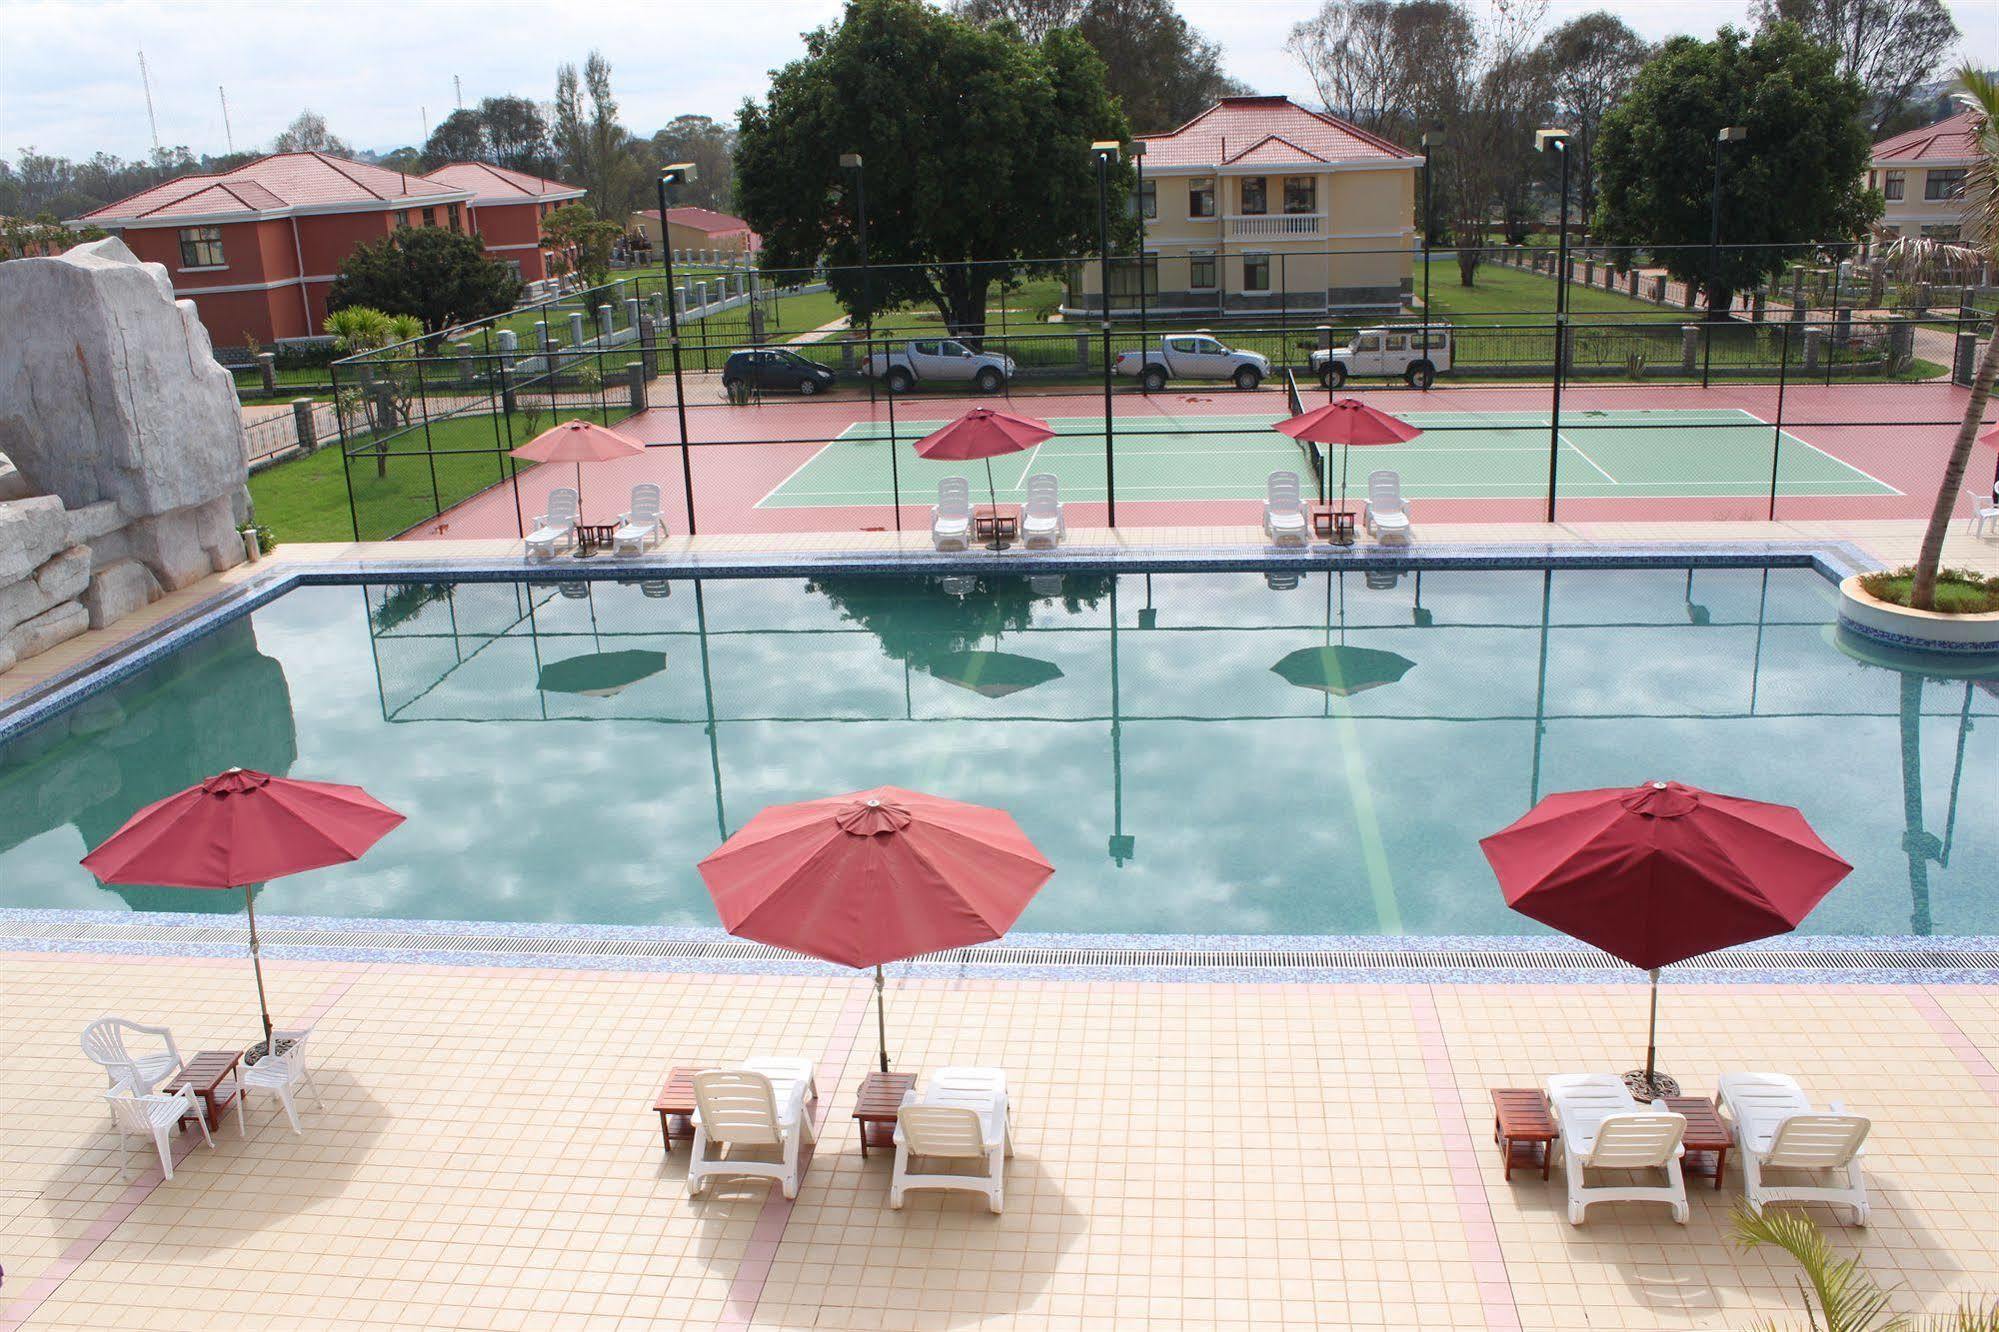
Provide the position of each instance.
(1726, 135)
(679, 173)
(1105, 152)
(1137, 150)
(1557, 140)
(1432, 140)
(852, 162)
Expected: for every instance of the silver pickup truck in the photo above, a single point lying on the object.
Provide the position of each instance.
(1193, 356)
(942, 362)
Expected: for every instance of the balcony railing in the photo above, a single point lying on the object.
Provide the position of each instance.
(1277, 226)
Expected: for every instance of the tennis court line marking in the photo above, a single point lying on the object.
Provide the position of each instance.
(793, 473)
(1783, 434)
(1563, 438)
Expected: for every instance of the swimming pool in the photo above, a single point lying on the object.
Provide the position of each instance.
(1173, 742)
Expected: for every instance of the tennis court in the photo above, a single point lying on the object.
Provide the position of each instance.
(1638, 454)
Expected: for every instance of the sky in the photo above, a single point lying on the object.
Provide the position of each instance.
(381, 70)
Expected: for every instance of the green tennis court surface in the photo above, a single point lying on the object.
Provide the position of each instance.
(1463, 455)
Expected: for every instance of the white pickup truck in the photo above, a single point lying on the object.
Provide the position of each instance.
(1407, 350)
(941, 362)
(1193, 356)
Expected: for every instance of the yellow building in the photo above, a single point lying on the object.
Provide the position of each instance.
(701, 230)
(1921, 176)
(1258, 205)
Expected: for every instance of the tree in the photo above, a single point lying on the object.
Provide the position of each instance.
(594, 147)
(516, 134)
(711, 147)
(42, 236)
(1891, 46)
(1843, 1297)
(1798, 177)
(1163, 72)
(1589, 63)
(581, 242)
(440, 277)
(308, 134)
(389, 378)
(976, 147)
(459, 137)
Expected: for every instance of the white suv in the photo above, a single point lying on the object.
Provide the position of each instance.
(1409, 351)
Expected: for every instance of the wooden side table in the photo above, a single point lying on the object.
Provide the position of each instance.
(1706, 1130)
(204, 1075)
(876, 1106)
(675, 1104)
(1335, 525)
(593, 537)
(1521, 1118)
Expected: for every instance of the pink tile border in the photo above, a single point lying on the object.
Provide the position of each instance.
(1495, 1283)
(1968, 1054)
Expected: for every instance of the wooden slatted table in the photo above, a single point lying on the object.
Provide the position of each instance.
(876, 1106)
(1706, 1130)
(1521, 1118)
(675, 1104)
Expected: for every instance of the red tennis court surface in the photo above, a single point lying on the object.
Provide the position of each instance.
(1893, 436)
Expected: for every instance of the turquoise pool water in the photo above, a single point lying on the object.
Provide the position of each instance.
(1139, 728)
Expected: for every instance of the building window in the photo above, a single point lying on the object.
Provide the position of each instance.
(1891, 184)
(1871, 181)
(1255, 194)
(513, 264)
(1201, 199)
(457, 220)
(1124, 278)
(1148, 198)
(1201, 272)
(1947, 184)
(1256, 272)
(402, 216)
(201, 247)
(1301, 194)
(430, 217)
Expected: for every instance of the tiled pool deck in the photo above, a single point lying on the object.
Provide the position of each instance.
(1190, 1155)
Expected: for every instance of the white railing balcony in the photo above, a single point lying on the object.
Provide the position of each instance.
(1277, 226)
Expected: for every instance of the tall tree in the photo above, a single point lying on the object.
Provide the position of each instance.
(516, 134)
(1590, 62)
(459, 137)
(1160, 69)
(711, 147)
(441, 277)
(976, 148)
(308, 134)
(594, 147)
(580, 242)
(1891, 46)
(1797, 177)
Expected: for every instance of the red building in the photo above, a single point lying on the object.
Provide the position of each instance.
(257, 248)
(507, 208)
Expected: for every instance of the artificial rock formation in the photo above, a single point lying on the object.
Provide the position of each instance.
(124, 464)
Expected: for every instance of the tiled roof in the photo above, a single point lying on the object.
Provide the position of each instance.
(499, 185)
(1952, 140)
(701, 219)
(276, 184)
(1274, 129)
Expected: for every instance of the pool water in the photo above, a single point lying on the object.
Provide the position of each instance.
(1196, 753)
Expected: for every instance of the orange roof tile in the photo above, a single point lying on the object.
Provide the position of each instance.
(1953, 140)
(500, 185)
(1276, 129)
(279, 184)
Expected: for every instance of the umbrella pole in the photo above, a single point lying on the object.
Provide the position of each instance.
(257, 962)
(992, 493)
(881, 1017)
(1652, 1036)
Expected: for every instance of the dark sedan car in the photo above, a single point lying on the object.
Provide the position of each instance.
(774, 368)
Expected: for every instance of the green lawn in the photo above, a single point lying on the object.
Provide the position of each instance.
(1500, 295)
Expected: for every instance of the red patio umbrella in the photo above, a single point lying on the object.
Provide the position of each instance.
(239, 829)
(1349, 423)
(874, 876)
(579, 442)
(1659, 873)
(984, 433)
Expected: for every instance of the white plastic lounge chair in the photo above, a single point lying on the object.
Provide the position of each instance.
(760, 1105)
(1041, 521)
(153, 1116)
(1284, 519)
(1604, 1127)
(104, 1041)
(555, 529)
(1385, 512)
(640, 523)
(1045, 585)
(951, 516)
(962, 1115)
(1776, 1127)
(282, 1073)
(1986, 516)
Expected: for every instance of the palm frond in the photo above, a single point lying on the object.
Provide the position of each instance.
(1965, 1318)
(1978, 92)
(1848, 1297)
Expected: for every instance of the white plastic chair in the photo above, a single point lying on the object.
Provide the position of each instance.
(1385, 512)
(1041, 521)
(1986, 516)
(639, 524)
(555, 529)
(951, 516)
(760, 1105)
(153, 1116)
(962, 1115)
(104, 1043)
(282, 1073)
(1285, 521)
(1776, 1127)
(1604, 1127)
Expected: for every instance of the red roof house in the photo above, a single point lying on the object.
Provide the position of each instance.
(507, 208)
(699, 229)
(1922, 174)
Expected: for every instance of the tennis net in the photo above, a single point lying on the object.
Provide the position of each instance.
(1315, 457)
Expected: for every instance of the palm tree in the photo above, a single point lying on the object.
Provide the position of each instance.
(1843, 1297)
(1980, 93)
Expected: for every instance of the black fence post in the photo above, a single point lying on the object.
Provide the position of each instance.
(346, 459)
(1777, 431)
(894, 466)
(429, 449)
(1110, 424)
